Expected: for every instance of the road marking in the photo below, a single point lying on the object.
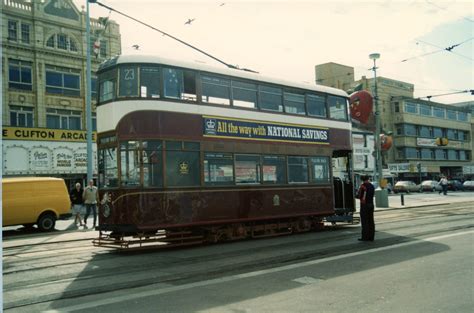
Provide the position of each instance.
(306, 280)
(149, 293)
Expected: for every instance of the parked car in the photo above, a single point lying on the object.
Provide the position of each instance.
(455, 185)
(468, 185)
(406, 186)
(429, 185)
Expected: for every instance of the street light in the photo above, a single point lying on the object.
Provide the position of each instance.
(88, 94)
(381, 196)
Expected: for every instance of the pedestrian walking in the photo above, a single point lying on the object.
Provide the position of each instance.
(91, 197)
(444, 185)
(366, 197)
(77, 203)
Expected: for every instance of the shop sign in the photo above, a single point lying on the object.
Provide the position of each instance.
(399, 168)
(42, 134)
(426, 142)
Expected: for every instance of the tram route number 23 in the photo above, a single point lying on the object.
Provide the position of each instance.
(129, 74)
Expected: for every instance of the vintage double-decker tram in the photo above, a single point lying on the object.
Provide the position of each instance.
(191, 153)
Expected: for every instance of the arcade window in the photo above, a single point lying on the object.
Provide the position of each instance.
(63, 119)
(19, 75)
(21, 116)
(63, 81)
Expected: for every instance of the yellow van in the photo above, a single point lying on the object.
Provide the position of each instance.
(35, 200)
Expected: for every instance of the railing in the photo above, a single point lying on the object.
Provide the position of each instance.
(18, 4)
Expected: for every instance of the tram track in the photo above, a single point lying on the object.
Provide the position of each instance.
(192, 275)
(173, 267)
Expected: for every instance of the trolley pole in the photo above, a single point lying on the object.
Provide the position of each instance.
(88, 94)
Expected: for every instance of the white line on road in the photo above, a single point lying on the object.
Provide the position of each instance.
(204, 283)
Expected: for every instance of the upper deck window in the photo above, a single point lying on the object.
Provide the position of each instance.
(128, 82)
(316, 105)
(149, 82)
(244, 94)
(271, 98)
(337, 108)
(179, 84)
(215, 90)
(107, 86)
(294, 103)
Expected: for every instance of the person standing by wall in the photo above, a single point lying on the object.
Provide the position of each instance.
(91, 197)
(77, 203)
(366, 196)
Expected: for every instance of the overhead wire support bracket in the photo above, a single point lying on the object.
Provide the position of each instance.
(172, 37)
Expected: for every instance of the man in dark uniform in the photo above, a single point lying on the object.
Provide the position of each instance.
(366, 196)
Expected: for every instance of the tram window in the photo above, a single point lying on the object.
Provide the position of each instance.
(274, 170)
(218, 168)
(244, 94)
(247, 169)
(337, 108)
(130, 163)
(294, 103)
(297, 170)
(316, 105)
(108, 172)
(179, 84)
(182, 169)
(128, 83)
(319, 169)
(189, 86)
(270, 99)
(149, 82)
(152, 163)
(107, 90)
(215, 90)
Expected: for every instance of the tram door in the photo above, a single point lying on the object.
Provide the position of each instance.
(344, 201)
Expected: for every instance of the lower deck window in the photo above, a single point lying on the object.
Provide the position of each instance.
(156, 163)
(274, 170)
(319, 169)
(130, 161)
(247, 169)
(218, 168)
(182, 168)
(297, 170)
(108, 171)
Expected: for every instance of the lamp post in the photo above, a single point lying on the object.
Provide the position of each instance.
(381, 196)
(88, 94)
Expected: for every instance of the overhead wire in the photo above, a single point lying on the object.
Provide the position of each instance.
(175, 38)
(448, 49)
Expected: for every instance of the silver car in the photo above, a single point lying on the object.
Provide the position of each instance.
(406, 186)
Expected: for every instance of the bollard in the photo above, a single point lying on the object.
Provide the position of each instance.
(402, 199)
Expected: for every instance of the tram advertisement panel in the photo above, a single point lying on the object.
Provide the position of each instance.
(258, 130)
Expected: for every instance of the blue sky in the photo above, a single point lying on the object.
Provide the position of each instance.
(286, 39)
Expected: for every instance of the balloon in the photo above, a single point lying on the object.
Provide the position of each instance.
(361, 106)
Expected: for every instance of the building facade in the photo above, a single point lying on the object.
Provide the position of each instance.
(415, 126)
(44, 52)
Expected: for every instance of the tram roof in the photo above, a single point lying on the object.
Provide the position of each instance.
(149, 59)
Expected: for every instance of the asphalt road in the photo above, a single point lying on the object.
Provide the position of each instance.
(421, 261)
